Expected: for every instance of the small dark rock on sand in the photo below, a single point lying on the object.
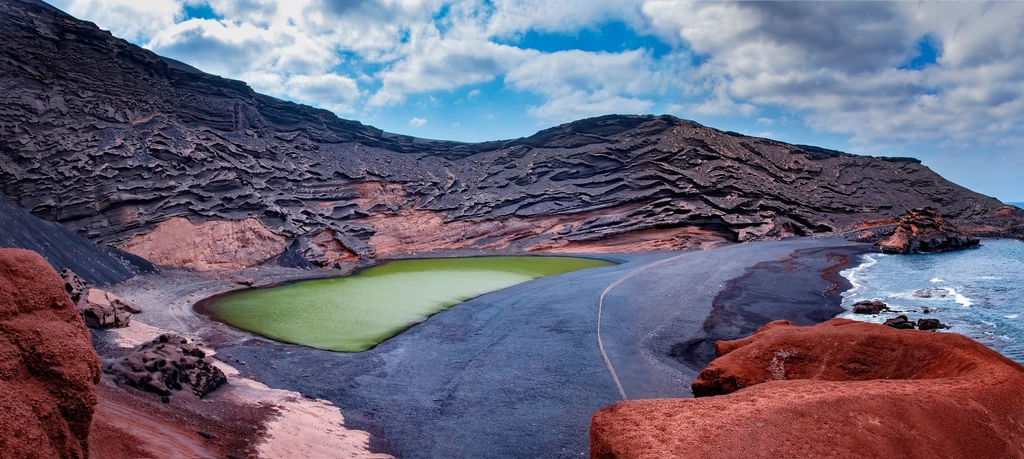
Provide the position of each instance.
(167, 363)
(901, 322)
(869, 307)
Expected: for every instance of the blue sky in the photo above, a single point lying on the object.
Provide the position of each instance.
(940, 81)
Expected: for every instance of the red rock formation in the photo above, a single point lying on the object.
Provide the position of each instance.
(207, 245)
(841, 389)
(925, 230)
(47, 364)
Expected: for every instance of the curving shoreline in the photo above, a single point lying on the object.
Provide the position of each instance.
(519, 366)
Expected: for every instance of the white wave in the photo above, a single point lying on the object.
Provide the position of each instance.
(852, 275)
(936, 280)
(1012, 316)
(962, 300)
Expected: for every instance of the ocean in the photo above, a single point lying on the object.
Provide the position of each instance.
(978, 292)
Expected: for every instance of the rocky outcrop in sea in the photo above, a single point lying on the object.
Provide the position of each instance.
(925, 230)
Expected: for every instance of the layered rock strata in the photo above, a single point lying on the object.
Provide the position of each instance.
(925, 230)
(47, 364)
(117, 143)
(841, 389)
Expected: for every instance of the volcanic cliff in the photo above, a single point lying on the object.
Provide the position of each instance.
(127, 148)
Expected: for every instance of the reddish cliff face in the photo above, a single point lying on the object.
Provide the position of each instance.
(839, 389)
(47, 364)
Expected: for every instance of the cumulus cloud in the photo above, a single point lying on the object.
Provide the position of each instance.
(854, 68)
(417, 122)
(842, 64)
(129, 19)
(580, 84)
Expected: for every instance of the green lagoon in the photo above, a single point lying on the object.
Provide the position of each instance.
(355, 313)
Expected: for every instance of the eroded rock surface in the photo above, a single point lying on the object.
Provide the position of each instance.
(925, 230)
(73, 284)
(167, 363)
(47, 364)
(113, 141)
(841, 389)
(207, 245)
(102, 309)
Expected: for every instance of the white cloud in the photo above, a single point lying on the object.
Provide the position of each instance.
(840, 64)
(445, 64)
(417, 122)
(330, 91)
(129, 19)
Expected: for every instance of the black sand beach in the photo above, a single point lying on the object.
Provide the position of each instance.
(521, 367)
(804, 288)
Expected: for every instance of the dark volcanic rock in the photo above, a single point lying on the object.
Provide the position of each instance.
(167, 363)
(47, 364)
(73, 284)
(869, 307)
(930, 324)
(111, 141)
(901, 323)
(925, 230)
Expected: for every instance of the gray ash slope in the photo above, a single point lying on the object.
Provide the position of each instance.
(64, 249)
(110, 140)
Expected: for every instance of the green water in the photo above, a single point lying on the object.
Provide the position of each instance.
(355, 313)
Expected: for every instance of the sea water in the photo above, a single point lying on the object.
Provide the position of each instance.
(978, 292)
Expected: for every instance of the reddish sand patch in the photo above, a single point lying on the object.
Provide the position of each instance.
(47, 364)
(838, 389)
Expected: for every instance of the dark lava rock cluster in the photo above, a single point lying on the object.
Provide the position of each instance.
(167, 363)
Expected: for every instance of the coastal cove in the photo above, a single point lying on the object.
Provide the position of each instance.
(436, 388)
(977, 291)
(356, 312)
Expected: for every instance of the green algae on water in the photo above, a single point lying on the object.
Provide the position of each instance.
(355, 313)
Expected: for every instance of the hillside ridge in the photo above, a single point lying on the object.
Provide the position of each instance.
(113, 141)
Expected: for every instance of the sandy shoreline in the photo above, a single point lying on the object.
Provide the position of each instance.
(518, 366)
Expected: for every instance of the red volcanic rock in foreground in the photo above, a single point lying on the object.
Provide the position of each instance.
(925, 230)
(838, 389)
(47, 364)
